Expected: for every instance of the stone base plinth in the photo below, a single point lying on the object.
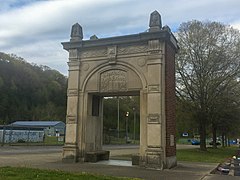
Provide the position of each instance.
(70, 154)
(171, 162)
(135, 159)
(152, 159)
(95, 156)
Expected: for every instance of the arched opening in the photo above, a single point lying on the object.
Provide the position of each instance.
(134, 65)
(121, 126)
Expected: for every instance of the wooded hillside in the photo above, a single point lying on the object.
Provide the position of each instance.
(29, 91)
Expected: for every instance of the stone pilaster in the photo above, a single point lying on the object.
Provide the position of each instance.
(70, 149)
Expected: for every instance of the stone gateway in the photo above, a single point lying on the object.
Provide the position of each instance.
(138, 64)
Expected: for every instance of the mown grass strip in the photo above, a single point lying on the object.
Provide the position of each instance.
(21, 173)
(210, 156)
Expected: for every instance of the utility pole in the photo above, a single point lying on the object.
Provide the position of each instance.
(127, 114)
(134, 124)
(3, 135)
(118, 125)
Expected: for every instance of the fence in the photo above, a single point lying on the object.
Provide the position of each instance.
(112, 136)
(13, 135)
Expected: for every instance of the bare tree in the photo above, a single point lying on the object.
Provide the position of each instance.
(207, 63)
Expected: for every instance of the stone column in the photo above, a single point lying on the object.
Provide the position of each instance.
(70, 149)
(155, 107)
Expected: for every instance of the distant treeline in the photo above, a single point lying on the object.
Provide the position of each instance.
(29, 91)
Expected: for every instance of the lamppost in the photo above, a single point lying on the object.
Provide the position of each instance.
(127, 114)
(118, 125)
(134, 123)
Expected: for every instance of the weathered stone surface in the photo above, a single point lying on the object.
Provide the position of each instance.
(155, 22)
(135, 159)
(113, 80)
(76, 33)
(139, 64)
(95, 156)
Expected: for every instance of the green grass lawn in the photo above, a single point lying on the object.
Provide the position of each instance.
(17, 173)
(211, 155)
(52, 140)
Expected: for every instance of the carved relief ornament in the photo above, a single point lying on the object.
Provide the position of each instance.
(112, 54)
(132, 49)
(94, 53)
(154, 46)
(113, 80)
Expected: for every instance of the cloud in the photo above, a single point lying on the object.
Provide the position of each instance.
(34, 29)
(236, 25)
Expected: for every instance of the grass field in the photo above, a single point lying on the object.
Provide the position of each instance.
(211, 155)
(14, 173)
(52, 140)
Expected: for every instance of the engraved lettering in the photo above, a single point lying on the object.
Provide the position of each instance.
(114, 80)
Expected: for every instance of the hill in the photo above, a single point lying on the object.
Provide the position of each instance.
(29, 91)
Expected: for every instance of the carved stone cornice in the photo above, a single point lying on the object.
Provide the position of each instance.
(134, 38)
(154, 149)
(73, 63)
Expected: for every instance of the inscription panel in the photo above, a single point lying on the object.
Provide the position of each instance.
(113, 80)
(153, 88)
(72, 92)
(154, 118)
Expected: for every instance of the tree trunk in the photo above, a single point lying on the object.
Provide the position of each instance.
(202, 129)
(214, 133)
(226, 140)
(223, 142)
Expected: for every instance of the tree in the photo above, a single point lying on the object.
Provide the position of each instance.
(228, 114)
(110, 114)
(30, 92)
(184, 118)
(207, 63)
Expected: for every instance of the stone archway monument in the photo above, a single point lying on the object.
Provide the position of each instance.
(138, 64)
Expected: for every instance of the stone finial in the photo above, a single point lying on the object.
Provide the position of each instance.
(155, 22)
(93, 37)
(166, 28)
(76, 33)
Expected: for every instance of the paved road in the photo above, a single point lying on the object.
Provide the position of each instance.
(5, 150)
(49, 157)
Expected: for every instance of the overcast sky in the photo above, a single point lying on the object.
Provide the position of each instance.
(34, 29)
